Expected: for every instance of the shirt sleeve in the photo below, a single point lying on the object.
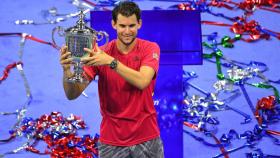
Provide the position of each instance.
(151, 57)
(90, 72)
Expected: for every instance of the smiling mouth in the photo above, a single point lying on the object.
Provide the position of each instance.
(127, 38)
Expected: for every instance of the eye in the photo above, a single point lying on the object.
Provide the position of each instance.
(132, 25)
(122, 26)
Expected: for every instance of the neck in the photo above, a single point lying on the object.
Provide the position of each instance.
(123, 48)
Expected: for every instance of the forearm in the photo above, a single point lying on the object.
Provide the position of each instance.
(135, 78)
(72, 90)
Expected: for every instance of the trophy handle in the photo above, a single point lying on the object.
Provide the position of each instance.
(60, 31)
(100, 35)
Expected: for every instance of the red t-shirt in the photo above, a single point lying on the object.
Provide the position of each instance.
(128, 113)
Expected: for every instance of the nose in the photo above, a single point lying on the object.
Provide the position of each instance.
(127, 30)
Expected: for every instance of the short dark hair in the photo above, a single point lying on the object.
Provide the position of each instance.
(126, 8)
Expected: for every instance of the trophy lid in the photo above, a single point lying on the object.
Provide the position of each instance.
(80, 26)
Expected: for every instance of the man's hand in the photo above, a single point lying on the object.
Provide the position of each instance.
(65, 59)
(96, 57)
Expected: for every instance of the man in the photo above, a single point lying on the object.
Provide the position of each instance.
(127, 68)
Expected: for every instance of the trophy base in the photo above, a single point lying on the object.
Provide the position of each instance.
(77, 80)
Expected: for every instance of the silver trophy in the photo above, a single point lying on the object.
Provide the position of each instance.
(77, 38)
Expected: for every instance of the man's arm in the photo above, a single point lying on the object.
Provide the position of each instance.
(140, 79)
(72, 90)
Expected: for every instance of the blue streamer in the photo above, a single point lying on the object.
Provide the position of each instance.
(204, 141)
(247, 98)
(257, 153)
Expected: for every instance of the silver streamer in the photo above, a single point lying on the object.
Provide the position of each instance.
(223, 85)
(49, 21)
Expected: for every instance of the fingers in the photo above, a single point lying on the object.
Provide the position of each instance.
(90, 61)
(88, 50)
(97, 49)
(87, 59)
(93, 44)
(65, 55)
(94, 50)
(65, 59)
(94, 59)
(63, 49)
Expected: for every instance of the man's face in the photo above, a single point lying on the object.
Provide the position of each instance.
(127, 28)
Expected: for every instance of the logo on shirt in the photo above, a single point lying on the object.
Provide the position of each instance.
(155, 56)
(136, 58)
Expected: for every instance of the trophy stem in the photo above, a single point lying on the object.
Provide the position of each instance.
(78, 74)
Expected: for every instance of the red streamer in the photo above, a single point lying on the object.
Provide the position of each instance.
(251, 5)
(273, 132)
(185, 6)
(215, 23)
(245, 28)
(266, 103)
(219, 4)
(222, 149)
(94, 4)
(8, 69)
(30, 37)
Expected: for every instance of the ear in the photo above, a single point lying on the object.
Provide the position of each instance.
(140, 23)
(114, 25)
